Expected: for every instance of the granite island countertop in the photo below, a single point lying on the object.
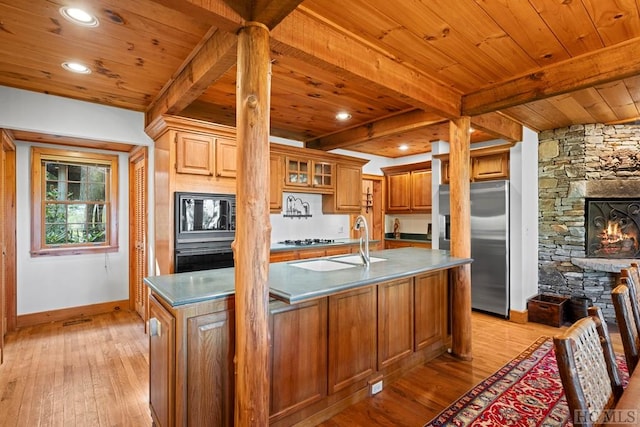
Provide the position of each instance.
(293, 284)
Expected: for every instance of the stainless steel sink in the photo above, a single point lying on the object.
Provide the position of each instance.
(322, 265)
(355, 259)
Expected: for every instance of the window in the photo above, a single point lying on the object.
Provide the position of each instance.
(74, 206)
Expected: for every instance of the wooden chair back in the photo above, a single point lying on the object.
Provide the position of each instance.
(630, 277)
(584, 372)
(623, 305)
(610, 356)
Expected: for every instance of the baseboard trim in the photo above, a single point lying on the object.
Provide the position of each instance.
(70, 313)
(519, 316)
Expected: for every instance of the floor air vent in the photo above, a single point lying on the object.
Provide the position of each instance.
(76, 321)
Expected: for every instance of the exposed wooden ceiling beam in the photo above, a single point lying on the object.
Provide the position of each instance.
(329, 49)
(268, 12)
(602, 66)
(409, 121)
(214, 58)
(218, 12)
(498, 125)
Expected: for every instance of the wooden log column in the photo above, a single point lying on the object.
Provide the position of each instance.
(253, 234)
(459, 180)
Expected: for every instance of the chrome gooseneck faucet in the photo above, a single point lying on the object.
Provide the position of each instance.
(360, 224)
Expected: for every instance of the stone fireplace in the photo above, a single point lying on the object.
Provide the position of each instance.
(580, 256)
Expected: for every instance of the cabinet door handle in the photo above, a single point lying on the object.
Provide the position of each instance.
(155, 327)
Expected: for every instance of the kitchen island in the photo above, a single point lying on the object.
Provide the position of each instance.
(336, 328)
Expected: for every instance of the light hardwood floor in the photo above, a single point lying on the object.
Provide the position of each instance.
(95, 373)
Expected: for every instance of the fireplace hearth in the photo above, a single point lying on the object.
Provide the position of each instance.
(612, 228)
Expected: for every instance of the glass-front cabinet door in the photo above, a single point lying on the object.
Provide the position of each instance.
(309, 173)
(323, 174)
(298, 172)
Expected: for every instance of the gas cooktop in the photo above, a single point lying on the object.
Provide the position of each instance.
(307, 242)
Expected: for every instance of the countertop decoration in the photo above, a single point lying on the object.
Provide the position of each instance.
(297, 208)
(396, 228)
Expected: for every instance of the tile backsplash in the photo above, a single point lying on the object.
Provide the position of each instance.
(317, 226)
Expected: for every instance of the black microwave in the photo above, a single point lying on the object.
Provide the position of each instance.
(204, 217)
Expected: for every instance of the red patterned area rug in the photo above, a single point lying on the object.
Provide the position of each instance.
(525, 392)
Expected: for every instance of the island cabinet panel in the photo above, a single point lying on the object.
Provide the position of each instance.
(431, 308)
(352, 338)
(161, 364)
(298, 356)
(395, 321)
(210, 377)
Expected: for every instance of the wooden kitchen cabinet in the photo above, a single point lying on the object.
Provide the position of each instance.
(395, 321)
(352, 338)
(194, 153)
(191, 350)
(421, 190)
(210, 376)
(226, 158)
(492, 166)
(431, 309)
(489, 163)
(309, 173)
(395, 244)
(161, 364)
(297, 378)
(347, 197)
(276, 177)
(408, 188)
(398, 192)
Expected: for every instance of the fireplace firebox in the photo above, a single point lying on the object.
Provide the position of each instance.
(612, 228)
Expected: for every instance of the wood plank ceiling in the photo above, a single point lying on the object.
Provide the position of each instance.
(401, 69)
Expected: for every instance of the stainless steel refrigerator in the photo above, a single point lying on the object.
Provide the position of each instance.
(489, 243)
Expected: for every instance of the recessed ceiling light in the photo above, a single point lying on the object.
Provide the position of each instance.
(79, 16)
(76, 67)
(343, 115)
(471, 130)
(403, 147)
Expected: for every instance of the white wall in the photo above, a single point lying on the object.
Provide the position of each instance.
(524, 220)
(56, 282)
(24, 110)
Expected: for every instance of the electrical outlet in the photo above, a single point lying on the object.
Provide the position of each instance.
(340, 230)
(376, 387)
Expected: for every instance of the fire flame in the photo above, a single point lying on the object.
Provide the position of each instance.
(614, 234)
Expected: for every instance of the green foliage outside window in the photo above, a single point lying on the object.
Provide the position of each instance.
(75, 203)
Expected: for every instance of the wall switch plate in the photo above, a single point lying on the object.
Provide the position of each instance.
(376, 387)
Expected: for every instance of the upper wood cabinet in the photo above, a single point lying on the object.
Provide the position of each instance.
(489, 163)
(201, 154)
(409, 187)
(194, 153)
(338, 178)
(421, 190)
(347, 197)
(308, 174)
(226, 158)
(398, 191)
(275, 182)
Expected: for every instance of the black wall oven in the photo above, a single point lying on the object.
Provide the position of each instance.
(205, 225)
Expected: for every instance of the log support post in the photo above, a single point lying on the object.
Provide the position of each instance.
(459, 181)
(253, 234)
